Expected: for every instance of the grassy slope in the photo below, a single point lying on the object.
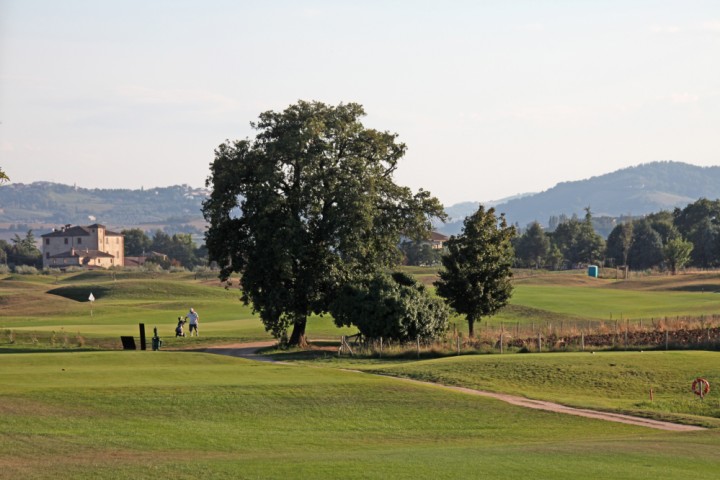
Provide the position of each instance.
(187, 415)
(60, 304)
(617, 381)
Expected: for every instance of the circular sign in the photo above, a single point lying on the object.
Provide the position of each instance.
(700, 387)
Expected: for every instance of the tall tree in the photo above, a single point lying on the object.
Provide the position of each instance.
(137, 242)
(647, 247)
(306, 206)
(3, 177)
(24, 251)
(619, 243)
(533, 246)
(677, 253)
(476, 279)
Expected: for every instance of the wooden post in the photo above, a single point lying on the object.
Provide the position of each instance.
(457, 340)
(381, 346)
(582, 341)
(666, 340)
(539, 342)
(651, 394)
(143, 345)
(501, 342)
(417, 339)
(626, 339)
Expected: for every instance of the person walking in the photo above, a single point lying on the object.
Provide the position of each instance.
(194, 320)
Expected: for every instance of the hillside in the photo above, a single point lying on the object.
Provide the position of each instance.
(638, 190)
(633, 191)
(42, 205)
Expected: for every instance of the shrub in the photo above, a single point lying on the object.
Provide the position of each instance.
(26, 270)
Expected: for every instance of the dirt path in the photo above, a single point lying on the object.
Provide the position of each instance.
(249, 351)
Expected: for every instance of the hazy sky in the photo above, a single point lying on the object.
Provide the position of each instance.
(493, 98)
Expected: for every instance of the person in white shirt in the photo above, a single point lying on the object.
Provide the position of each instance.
(194, 320)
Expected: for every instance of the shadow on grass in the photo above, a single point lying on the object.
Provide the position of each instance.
(24, 349)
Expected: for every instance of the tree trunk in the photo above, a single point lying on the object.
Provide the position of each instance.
(471, 327)
(297, 337)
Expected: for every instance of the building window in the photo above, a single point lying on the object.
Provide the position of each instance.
(66, 241)
(47, 241)
(47, 255)
(79, 241)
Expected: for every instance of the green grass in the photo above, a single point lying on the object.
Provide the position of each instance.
(47, 305)
(190, 415)
(614, 381)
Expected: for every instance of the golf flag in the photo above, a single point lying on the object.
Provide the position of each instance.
(92, 297)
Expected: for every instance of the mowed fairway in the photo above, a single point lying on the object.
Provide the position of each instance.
(193, 415)
(46, 304)
(574, 297)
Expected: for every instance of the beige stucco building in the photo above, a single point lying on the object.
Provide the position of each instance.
(91, 246)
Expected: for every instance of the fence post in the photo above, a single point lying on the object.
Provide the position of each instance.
(626, 339)
(539, 342)
(417, 339)
(582, 341)
(381, 346)
(666, 339)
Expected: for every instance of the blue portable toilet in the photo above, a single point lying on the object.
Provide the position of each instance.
(593, 271)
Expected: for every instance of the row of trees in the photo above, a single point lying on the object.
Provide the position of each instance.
(180, 248)
(663, 240)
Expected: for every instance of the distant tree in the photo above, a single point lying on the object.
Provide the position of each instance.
(307, 206)
(394, 307)
(24, 251)
(476, 279)
(137, 242)
(161, 242)
(577, 240)
(591, 246)
(699, 223)
(182, 250)
(677, 254)
(533, 246)
(619, 242)
(3, 177)
(647, 248)
(4, 248)
(662, 223)
(420, 253)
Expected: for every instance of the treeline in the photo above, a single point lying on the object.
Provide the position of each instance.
(664, 240)
(179, 249)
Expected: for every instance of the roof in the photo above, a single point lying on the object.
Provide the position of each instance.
(79, 231)
(82, 253)
(76, 231)
(438, 237)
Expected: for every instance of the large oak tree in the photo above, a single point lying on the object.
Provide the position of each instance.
(306, 206)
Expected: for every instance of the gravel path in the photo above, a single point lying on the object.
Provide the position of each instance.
(249, 351)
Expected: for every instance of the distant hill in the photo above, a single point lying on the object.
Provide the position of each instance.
(636, 191)
(43, 205)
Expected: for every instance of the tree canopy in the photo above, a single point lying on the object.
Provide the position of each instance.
(394, 307)
(476, 279)
(306, 206)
